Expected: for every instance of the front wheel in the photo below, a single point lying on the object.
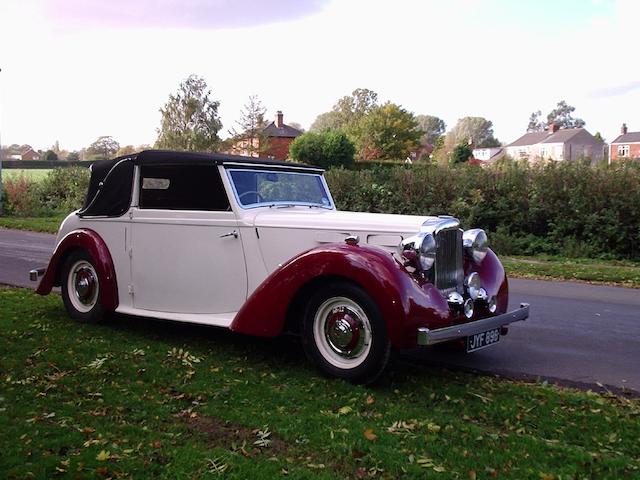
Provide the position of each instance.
(81, 288)
(344, 334)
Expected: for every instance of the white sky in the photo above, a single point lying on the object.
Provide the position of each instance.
(72, 72)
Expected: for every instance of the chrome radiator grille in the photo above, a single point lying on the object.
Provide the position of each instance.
(449, 274)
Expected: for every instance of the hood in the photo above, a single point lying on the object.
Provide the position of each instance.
(334, 220)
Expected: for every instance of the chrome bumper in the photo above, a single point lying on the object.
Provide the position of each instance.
(35, 273)
(431, 337)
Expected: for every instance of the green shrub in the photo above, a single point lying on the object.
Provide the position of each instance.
(326, 149)
(61, 191)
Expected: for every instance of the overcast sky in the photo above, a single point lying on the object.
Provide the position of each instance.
(73, 70)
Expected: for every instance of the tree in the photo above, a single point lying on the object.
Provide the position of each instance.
(561, 116)
(461, 153)
(327, 121)
(348, 111)
(477, 130)
(432, 128)
(535, 124)
(598, 136)
(328, 148)
(73, 156)
(104, 147)
(51, 156)
(388, 132)
(126, 150)
(251, 128)
(190, 118)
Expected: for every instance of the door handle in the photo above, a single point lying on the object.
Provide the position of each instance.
(233, 234)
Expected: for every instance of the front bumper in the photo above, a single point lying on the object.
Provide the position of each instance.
(431, 337)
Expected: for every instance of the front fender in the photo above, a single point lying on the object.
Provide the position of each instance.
(92, 243)
(404, 303)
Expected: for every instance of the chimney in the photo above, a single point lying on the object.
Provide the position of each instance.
(553, 127)
(279, 122)
(623, 130)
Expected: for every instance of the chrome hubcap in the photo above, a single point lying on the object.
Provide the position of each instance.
(342, 332)
(83, 286)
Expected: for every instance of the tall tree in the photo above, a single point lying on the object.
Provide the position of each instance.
(535, 122)
(348, 111)
(190, 118)
(251, 127)
(389, 132)
(561, 116)
(104, 147)
(477, 130)
(432, 128)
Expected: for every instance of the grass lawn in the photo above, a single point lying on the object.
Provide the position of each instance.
(34, 224)
(136, 398)
(622, 273)
(33, 173)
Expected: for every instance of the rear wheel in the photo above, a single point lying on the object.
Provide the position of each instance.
(81, 288)
(344, 334)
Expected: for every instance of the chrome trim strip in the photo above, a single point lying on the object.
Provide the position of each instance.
(431, 337)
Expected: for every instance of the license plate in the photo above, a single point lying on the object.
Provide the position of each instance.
(483, 339)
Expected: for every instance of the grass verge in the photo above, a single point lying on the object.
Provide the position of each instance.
(33, 224)
(620, 273)
(136, 398)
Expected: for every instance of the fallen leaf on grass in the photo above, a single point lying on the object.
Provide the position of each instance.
(103, 456)
(369, 435)
(370, 400)
(344, 410)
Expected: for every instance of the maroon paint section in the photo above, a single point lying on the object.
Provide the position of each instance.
(405, 301)
(92, 243)
(405, 304)
(494, 279)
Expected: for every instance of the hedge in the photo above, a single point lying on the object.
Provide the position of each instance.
(568, 209)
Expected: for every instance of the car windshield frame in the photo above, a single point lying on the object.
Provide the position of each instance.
(271, 203)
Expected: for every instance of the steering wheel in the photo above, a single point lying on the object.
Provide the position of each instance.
(259, 197)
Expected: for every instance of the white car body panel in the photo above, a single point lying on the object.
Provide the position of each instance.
(172, 264)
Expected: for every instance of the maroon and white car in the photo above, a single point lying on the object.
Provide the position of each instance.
(258, 247)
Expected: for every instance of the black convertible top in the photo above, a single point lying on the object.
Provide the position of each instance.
(111, 183)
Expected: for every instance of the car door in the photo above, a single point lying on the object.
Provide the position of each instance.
(186, 254)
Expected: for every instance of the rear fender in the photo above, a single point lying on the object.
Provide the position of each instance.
(403, 302)
(93, 244)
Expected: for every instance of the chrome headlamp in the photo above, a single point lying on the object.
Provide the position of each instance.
(419, 250)
(475, 244)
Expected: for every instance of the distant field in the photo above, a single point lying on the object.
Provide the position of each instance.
(34, 173)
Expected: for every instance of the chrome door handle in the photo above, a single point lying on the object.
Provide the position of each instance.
(233, 234)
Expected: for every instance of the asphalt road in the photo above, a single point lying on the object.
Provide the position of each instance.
(577, 333)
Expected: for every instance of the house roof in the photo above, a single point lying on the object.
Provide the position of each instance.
(286, 131)
(630, 137)
(561, 136)
(530, 138)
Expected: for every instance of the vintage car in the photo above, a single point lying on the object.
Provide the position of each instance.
(257, 246)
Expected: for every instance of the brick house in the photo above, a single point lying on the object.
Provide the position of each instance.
(277, 136)
(29, 154)
(557, 144)
(280, 137)
(627, 145)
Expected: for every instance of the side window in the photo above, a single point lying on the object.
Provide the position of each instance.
(182, 187)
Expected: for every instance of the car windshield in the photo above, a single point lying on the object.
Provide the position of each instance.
(255, 188)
